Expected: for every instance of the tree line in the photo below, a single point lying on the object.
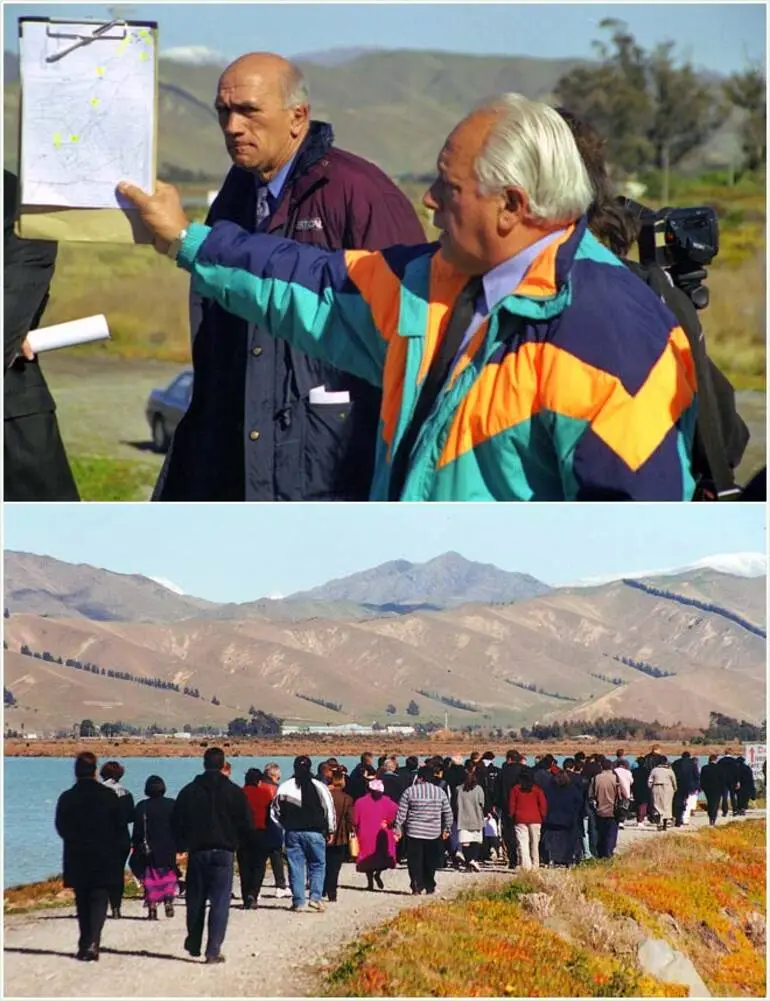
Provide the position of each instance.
(530, 686)
(720, 728)
(117, 675)
(644, 667)
(704, 606)
(448, 700)
(653, 109)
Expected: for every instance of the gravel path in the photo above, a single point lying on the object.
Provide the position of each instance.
(271, 952)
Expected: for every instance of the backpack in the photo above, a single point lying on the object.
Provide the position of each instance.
(721, 435)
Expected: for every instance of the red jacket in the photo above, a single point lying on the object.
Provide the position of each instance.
(527, 807)
(260, 797)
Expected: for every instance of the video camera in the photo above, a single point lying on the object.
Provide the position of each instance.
(681, 241)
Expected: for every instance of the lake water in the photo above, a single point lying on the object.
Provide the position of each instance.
(32, 849)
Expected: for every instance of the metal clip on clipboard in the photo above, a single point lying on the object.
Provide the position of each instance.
(81, 40)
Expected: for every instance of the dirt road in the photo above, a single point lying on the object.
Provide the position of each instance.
(271, 952)
(100, 402)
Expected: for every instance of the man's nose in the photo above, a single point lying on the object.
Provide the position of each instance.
(232, 124)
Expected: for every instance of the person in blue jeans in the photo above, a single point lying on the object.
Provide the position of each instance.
(304, 808)
(211, 819)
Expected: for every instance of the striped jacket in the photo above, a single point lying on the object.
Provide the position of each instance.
(592, 397)
(423, 811)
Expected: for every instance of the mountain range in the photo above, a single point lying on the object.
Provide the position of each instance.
(392, 107)
(671, 647)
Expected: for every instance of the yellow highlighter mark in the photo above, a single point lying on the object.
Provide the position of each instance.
(143, 57)
(144, 33)
(100, 71)
(124, 45)
(74, 139)
(96, 101)
(57, 139)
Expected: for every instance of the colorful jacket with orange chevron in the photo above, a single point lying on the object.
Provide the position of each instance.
(592, 397)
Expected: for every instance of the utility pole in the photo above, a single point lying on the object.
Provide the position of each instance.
(446, 720)
(665, 166)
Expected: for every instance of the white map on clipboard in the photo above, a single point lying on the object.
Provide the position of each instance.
(87, 119)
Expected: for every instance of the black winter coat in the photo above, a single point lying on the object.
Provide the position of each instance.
(712, 780)
(687, 776)
(746, 780)
(639, 788)
(90, 821)
(159, 833)
(506, 780)
(211, 812)
(728, 766)
(248, 383)
(36, 466)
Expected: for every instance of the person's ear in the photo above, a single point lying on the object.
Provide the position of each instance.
(514, 207)
(300, 114)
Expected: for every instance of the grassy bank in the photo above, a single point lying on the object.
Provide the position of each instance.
(50, 893)
(575, 934)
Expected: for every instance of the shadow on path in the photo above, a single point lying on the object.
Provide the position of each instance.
(139, 953)
(364, 889)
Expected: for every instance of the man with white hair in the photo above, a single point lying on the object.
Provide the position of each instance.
(519, 359)
(267, 421)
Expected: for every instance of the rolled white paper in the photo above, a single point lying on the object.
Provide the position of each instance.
(67, 335)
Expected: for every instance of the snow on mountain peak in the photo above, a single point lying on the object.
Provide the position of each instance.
(197, 55)
(168, 584)
(737, 564)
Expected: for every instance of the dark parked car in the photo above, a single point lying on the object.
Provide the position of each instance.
(166, 407)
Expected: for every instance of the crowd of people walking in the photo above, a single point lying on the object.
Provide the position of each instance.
(446, 812)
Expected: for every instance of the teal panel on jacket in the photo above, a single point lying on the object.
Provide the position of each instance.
(685, 435)
(516, 464)
(591, 249)
(339, 321)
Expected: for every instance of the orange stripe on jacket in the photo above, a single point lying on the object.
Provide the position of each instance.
(393, 388)
(379, 288)
(443, 290)
(540, 280)
(544, 377)
(635, 430)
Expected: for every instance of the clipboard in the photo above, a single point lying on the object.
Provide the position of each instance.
(86, 225)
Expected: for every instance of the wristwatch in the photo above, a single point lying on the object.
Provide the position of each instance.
(176, 246)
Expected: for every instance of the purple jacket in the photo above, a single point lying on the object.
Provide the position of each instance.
(251, 432)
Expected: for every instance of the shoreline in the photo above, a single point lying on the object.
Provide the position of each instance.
(133, 747)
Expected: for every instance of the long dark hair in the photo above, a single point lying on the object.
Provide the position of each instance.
(607, 219)
(470, 781)
(303, 770)
(303, 776)
(526, 779)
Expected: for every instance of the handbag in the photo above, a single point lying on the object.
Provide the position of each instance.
(353, 846)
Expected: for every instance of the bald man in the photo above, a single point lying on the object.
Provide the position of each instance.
(266, 421)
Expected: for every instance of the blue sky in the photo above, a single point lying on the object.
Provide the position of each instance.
(721, 37)
(244, 552)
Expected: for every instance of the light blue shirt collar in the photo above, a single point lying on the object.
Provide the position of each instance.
(506, 277)
(275, 186)
(502, 280)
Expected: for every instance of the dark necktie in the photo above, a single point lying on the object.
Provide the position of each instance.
(264, 208)
(459, 321)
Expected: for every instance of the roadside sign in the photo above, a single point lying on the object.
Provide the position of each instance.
(755, 755)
